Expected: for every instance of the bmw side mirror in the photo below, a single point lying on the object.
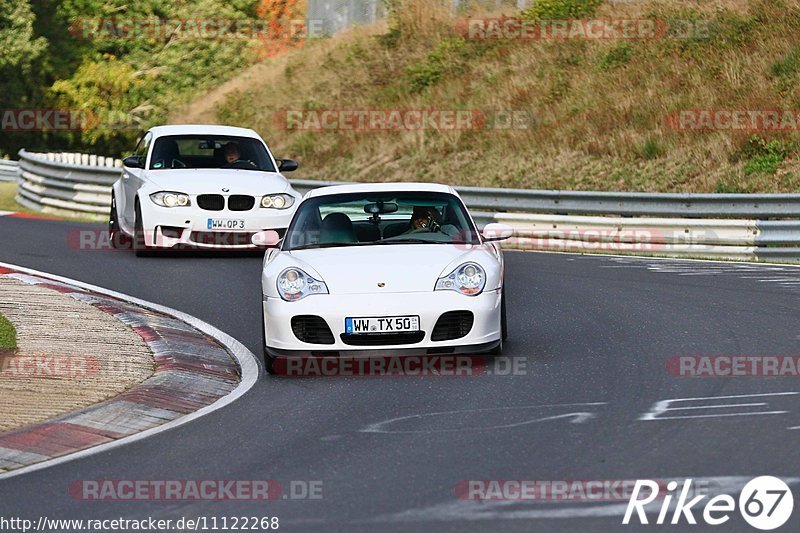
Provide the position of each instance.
(133, 161)
(287, 165)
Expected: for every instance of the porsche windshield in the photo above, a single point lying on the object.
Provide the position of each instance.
(210, 151)
(380, 219)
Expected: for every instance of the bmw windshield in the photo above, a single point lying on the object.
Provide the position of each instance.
(210, 151)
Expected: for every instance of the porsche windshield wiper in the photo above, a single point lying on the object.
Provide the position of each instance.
(369, 243)
(326, 245)
(408, 241)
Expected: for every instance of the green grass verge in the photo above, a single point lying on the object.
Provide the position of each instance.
(8, 335)
(7, 202)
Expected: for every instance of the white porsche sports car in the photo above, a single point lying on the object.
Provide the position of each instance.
(381, 269)
(210, 187)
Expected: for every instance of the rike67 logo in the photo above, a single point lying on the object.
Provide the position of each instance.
(765, 503)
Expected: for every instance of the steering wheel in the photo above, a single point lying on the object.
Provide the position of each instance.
(242, 163)
(431, 226)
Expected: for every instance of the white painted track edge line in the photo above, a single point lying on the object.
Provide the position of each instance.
(658, 258)
(246, 359)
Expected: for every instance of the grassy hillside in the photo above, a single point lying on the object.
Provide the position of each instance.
(8, 335)
(597, 109)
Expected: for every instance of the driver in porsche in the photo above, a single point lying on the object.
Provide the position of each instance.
(425, 219)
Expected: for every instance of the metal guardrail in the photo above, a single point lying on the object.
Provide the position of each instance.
(8, 170)
(66, 183)
(731, 226)
(674, 237)
(619, 203)
(695, 225)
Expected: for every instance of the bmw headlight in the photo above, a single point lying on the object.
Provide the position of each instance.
(277, 201)
(469, 279)
(170, 199)
(294, 284)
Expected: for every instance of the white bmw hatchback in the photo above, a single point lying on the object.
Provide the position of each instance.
(209, 187)
(380, 269)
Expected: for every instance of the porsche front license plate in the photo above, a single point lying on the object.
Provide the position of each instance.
(225, 223)
(384, 324)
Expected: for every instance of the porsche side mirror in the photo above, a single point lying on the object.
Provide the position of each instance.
(497, 232)
(267, 239)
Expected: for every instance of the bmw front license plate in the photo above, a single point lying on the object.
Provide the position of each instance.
(225, 223)
(383, 324)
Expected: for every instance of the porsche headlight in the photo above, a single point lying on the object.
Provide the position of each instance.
(277, 201)
(469, 279)
(294, 284)
(170, 199)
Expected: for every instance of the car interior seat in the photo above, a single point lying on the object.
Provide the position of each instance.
(337, 227)
(167, 153)
(395, 229)
(367, 232)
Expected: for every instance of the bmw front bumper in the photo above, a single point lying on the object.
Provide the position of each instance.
(189, 226)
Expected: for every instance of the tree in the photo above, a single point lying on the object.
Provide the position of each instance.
(20, 53)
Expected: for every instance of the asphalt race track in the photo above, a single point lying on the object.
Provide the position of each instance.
(594, 334)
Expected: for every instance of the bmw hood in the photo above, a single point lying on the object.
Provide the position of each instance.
(400, 267)
(213, 180)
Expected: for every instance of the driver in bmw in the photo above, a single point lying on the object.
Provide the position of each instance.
(231, 153)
